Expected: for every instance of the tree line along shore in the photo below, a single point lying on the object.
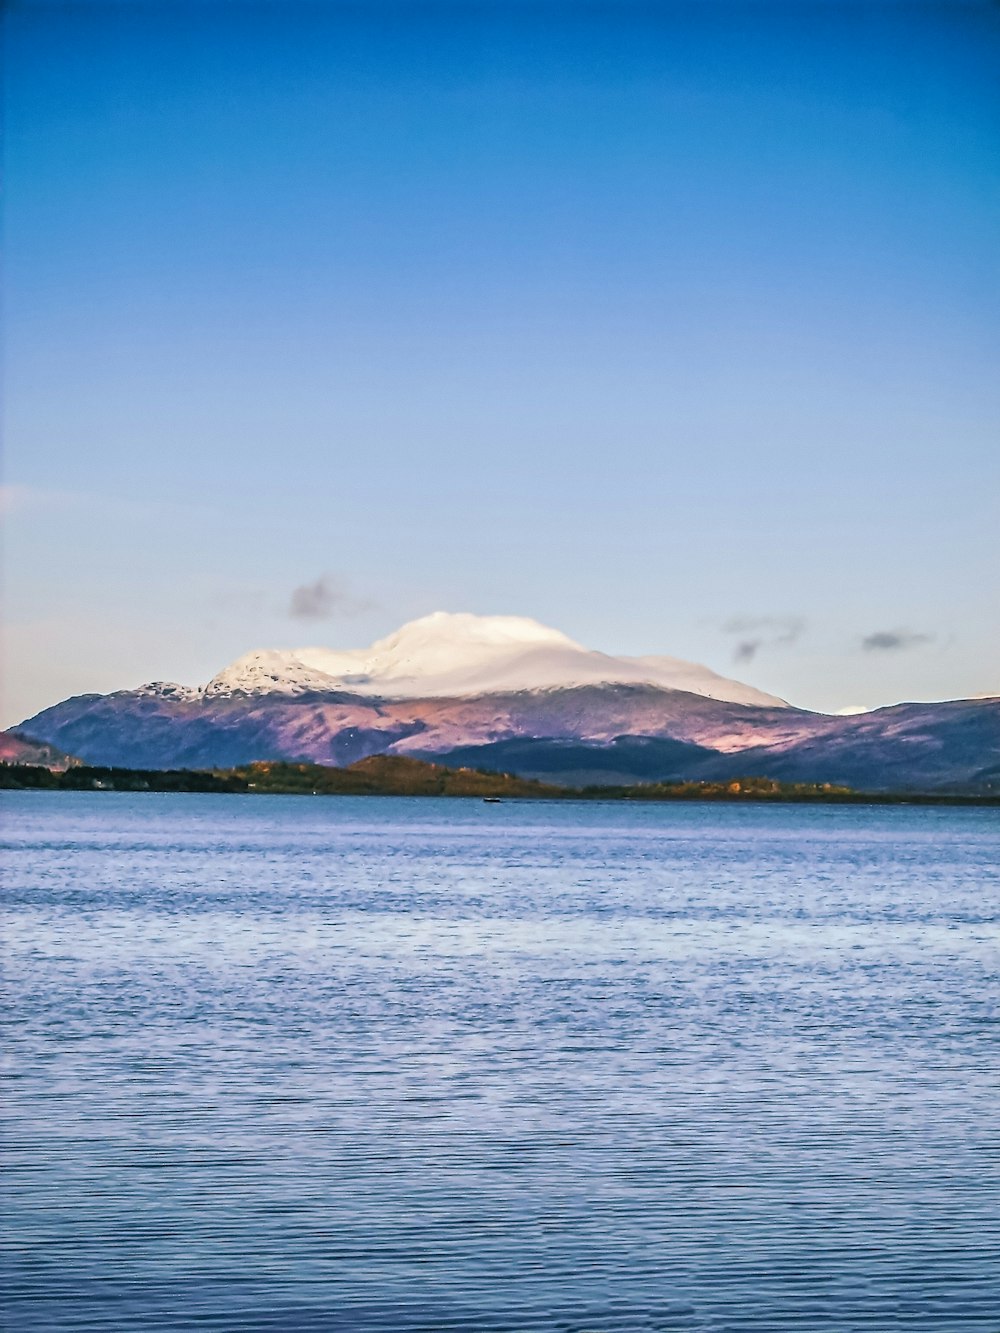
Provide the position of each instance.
(392, 775)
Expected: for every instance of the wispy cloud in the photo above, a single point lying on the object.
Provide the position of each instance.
(893, 640)
(11, 498)
(756, 632)
(323, 598)
(16, 499)
(98, 506)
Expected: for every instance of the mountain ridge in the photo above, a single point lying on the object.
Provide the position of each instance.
(903, 746)
(431, 691)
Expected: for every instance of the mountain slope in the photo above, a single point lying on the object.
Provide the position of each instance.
(946, 744)
(220, 730)
(625, 761)
(16, 748)
(953, 745)
(136, 729)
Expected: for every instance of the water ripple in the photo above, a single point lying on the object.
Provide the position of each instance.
(358, 1065)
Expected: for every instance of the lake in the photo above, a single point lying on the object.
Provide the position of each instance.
(362, 1064)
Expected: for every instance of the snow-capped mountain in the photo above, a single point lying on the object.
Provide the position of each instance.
(447, 655)
(507, 693)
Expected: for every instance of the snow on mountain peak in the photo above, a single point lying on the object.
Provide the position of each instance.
(448, 655)
(449, 630)
(443, 646)
(268, 671)
(169, 689)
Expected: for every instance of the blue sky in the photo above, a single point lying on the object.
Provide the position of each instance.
(673, 326)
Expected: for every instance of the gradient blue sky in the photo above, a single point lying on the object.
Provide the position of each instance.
(673, 326)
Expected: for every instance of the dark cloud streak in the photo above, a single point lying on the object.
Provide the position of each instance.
(893, 640)
(762, 632)
(322, 599)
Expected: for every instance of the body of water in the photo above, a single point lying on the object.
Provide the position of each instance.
(376, 1064)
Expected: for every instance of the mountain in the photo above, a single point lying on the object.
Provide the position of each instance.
(909, 747)
(511, 695)
(148, 727)
(18, 748)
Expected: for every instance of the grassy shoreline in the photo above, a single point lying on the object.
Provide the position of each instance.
(386, 775)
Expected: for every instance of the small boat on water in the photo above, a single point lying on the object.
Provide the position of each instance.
(492, 800)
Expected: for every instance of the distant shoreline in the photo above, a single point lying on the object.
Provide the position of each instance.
(383, 775)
